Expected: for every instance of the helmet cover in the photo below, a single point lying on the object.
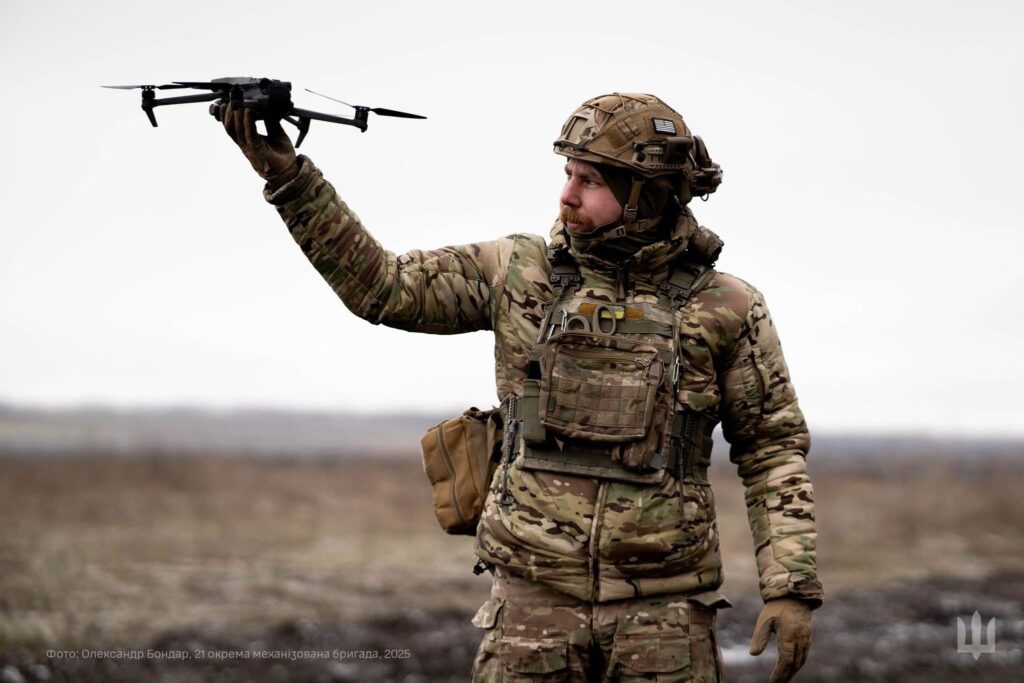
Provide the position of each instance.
(641, 133)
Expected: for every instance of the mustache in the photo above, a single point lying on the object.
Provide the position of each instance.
(567, 215)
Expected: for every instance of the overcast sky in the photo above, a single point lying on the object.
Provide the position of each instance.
(873, 168)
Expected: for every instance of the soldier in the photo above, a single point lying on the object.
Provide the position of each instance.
(618, 349)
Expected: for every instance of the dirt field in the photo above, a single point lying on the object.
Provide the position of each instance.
(336, 571)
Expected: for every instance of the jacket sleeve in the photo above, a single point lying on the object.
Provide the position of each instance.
(444, 291)
(769, 441)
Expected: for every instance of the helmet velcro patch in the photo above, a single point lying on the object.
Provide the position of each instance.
(664, 126)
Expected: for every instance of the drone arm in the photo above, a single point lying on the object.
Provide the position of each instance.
(149, 101)
(185, 99)
(306, 114)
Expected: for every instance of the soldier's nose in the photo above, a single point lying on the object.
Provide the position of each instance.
(570, 196)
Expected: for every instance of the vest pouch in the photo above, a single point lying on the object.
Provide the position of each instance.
(638, 455)
(599, 387)
(460, 456)
(533, 431)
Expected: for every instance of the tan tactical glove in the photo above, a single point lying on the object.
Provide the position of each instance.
(790, 620)
(272, 155)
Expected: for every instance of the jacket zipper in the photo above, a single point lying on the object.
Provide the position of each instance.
(593, 548)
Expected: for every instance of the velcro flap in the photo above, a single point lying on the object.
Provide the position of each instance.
(710, 599)
(534, 655)
(487, 615)
(652, 653)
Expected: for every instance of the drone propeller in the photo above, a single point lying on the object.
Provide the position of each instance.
(226, 84)
(145, 87)
(380, 111)
(201, 85)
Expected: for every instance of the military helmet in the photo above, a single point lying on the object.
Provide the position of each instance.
(643, 134)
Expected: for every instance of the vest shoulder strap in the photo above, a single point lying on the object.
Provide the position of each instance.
(565, 272)
(684, 282)
(694, 269)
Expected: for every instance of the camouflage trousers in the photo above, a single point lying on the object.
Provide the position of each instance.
(535, 633)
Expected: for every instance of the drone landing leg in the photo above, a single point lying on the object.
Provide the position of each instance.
(302, 124)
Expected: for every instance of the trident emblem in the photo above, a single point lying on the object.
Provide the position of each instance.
(976, 647)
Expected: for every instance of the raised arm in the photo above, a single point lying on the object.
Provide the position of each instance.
(443, 291)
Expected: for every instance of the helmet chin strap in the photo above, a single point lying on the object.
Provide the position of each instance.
(629, 223)
(629, 211)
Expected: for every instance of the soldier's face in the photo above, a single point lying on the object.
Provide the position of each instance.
(587, 202)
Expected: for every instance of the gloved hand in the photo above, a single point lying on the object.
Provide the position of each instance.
(790, 620)
(272, 155)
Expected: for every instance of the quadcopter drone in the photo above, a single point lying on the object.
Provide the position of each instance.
(267, 97)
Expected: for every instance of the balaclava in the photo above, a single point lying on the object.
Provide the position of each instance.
(656, 199)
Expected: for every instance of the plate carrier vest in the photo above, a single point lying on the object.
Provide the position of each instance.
(599, 399)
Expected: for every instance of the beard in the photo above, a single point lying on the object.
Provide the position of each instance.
(586, 238)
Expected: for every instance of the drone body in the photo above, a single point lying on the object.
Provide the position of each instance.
(267, 97)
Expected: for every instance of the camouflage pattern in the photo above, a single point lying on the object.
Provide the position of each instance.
(534, 633)
(594, 540)
(633, 131)
(605, 129)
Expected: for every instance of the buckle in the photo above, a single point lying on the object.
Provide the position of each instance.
(673, 291)
(565, 280)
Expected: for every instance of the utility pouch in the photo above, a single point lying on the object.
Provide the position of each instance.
(598, 387)
(460, 456)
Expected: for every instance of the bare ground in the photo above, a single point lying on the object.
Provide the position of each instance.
(287, 561)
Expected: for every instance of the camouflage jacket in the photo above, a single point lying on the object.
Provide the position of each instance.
(596, 540)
